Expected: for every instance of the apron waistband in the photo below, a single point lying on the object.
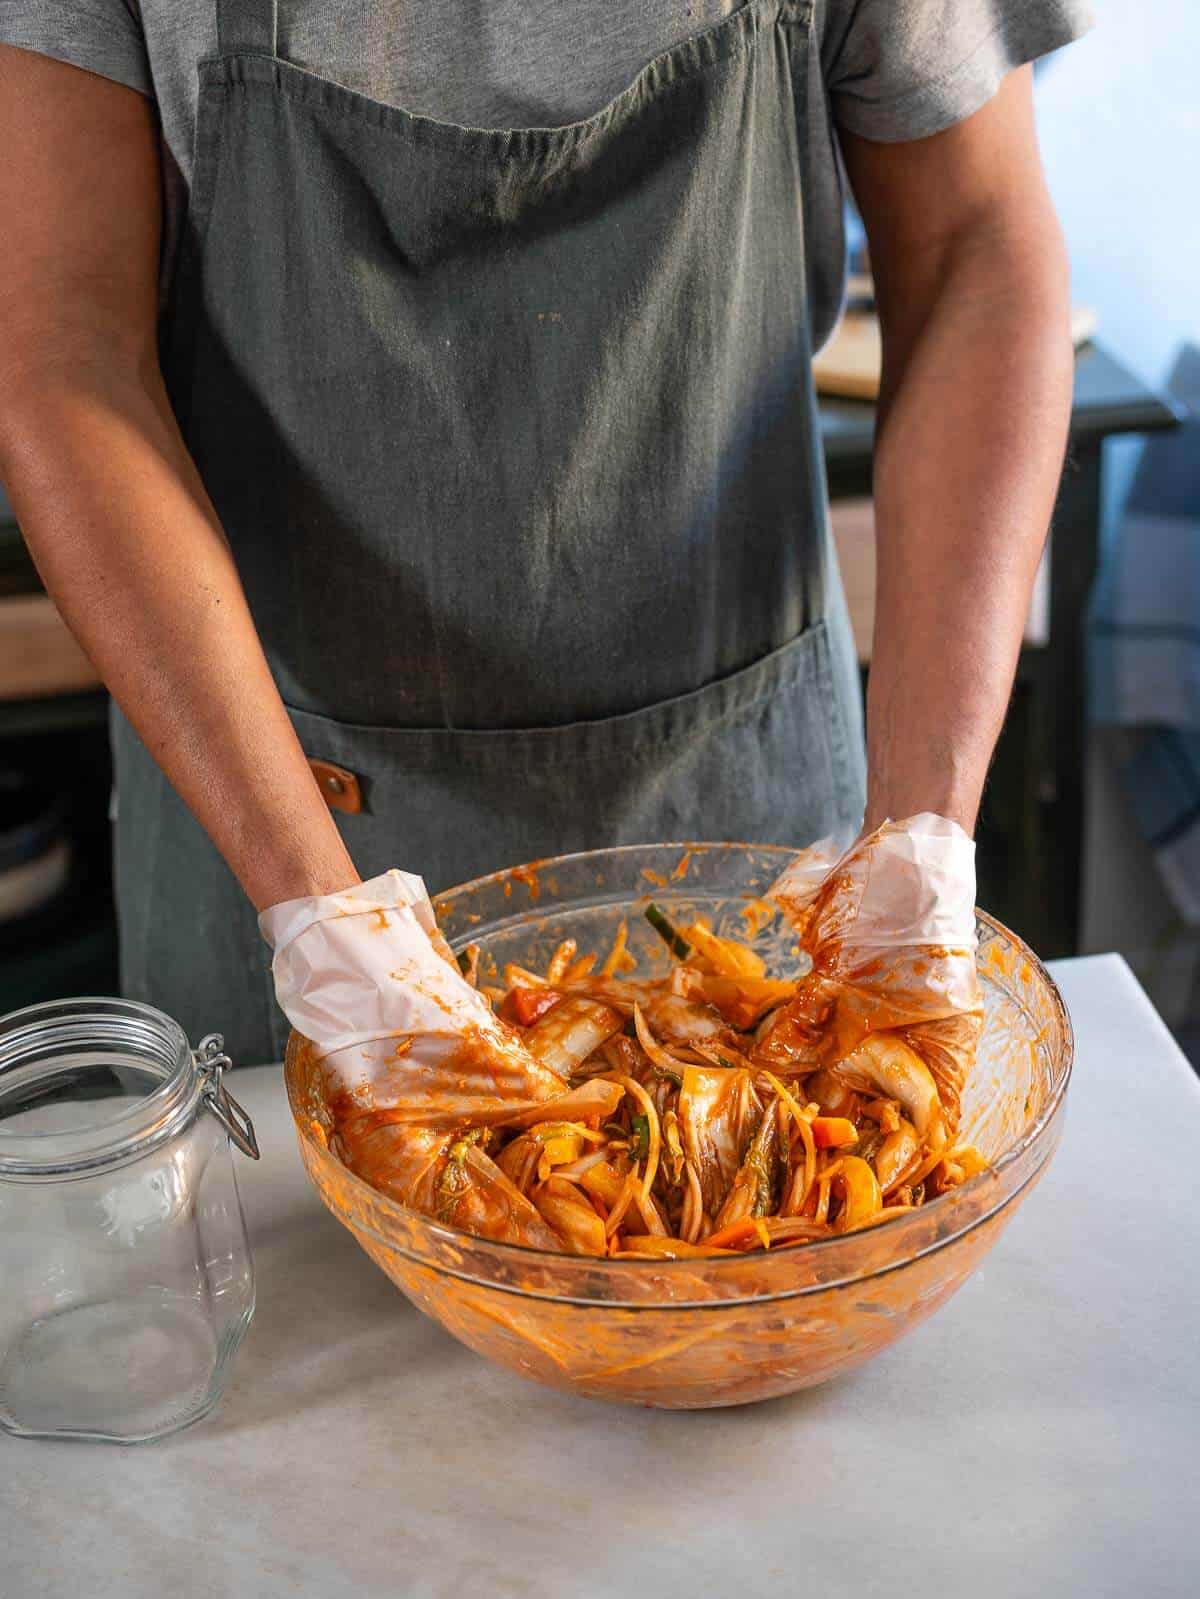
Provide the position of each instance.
(247, 26)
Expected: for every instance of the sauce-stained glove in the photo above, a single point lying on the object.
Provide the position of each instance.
(893, 1001)
(411, 1054)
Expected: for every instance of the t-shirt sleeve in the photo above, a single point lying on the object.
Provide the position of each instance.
(903, 69)
(102, 36)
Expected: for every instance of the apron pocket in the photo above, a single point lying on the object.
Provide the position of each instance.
(764, 755)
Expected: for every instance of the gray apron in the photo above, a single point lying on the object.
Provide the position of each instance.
(514, 438)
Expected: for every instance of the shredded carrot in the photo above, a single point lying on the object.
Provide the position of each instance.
(680, 869)
(579, 969)
(560, 960)
(727, 958)
(618, 959)
(833, 1132)
(742, 1001)
(736, 1232)
(528, 876)
(667, 1248)
(521, 977)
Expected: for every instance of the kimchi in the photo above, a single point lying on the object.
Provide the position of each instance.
(712, 1109)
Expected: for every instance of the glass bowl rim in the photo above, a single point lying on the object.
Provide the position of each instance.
(456, 1236)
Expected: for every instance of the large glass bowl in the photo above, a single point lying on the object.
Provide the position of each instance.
(686, 1334)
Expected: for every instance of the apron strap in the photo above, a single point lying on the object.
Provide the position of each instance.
(247, 27)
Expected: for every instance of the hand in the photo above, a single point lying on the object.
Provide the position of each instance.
(892, 1003)
(366, 976)
(411, 1055)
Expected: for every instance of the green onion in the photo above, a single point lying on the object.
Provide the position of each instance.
(464, 960)
(640, 1129)
(458, 1150)
(675, 941)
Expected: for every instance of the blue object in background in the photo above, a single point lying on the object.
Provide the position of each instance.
(1144, 642)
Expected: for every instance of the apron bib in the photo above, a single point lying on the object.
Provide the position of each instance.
(513, 434)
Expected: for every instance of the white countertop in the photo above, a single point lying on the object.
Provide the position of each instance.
(1039, 1436)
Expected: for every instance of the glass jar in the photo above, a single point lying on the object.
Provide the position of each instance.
(125, 1276)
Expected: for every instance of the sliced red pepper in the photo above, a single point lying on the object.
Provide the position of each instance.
(527, 1005)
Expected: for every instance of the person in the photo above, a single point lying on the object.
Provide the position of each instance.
(410, 408)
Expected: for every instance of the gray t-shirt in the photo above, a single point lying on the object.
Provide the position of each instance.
(885, 69)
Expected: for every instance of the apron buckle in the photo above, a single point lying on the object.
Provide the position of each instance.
(340, 788)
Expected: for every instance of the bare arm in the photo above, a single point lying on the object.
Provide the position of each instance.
(105, 492)
(971, 284)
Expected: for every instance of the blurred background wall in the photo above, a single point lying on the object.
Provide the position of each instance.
(1119, 118)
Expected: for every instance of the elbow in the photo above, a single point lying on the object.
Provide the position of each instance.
(1014, 262)
(1035, 275)
(1003, 286)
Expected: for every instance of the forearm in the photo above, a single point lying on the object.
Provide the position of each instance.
(972, 429)
(128, 544)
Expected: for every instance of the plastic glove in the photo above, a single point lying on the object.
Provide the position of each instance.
(366, 976)
(890, 928)
(411, 1054)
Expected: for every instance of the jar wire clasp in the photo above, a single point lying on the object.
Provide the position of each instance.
(211, 1061)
